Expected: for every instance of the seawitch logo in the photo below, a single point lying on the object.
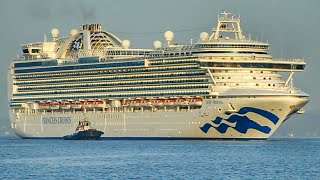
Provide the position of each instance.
(241, 121)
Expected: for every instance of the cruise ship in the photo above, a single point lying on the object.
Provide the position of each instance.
(226, 86)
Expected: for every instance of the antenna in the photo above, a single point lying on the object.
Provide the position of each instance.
(44, 38)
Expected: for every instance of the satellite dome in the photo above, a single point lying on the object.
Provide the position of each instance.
(204, 36)
(125, 44)
(54, 32)
(73, 32)
(168, 35)
(157, 44)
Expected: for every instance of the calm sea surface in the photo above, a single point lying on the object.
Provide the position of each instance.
(59, 159)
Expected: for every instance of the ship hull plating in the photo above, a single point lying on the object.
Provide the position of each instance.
(242, 118)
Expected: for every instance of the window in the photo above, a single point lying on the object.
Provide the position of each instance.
(35, 50)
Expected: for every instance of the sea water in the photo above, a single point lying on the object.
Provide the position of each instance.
(293, 158)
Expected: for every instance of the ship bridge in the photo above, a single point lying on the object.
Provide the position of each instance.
(227, 38)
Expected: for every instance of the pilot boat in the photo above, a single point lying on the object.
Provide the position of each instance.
(84, 131)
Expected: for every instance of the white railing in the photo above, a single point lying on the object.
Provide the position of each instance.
(92, 52)
(289, 60)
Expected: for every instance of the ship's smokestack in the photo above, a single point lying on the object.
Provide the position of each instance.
(86, 40)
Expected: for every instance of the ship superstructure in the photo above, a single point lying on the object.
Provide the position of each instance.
(225, 86)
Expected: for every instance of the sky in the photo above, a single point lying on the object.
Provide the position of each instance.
(291, 27)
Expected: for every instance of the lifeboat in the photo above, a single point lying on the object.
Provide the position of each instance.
(65, 105)
(125, 103)
(55, 105)
(135, 103)
(45, 104)
(195, 102)
(77, 105)
(90, 103)
(98, 104)
(157, 102)
(145, 103)
(169, 102)
(182, 102)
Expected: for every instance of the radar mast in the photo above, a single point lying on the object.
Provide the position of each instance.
(227, 24)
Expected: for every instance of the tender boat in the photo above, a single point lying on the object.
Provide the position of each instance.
(84, 132)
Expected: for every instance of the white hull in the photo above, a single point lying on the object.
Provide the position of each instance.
(183, 124)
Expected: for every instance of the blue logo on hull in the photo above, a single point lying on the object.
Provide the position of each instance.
(242, 123)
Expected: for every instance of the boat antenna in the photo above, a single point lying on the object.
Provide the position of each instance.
(84, 113)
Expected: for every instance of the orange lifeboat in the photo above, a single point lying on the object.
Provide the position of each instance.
(65, 105)
(45, 104)
(125, 103)
(169, 102)
(77, 105)
(158, 102)
(182, 102)
(195, 102)
(98, 104)
(55, 105)
(135, 103)
(90, 103)
(145, 103)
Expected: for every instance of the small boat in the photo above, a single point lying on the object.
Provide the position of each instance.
(55, 105)
(45, 105)
(157, 102)
(195, 102)
(169, 102)
(135, 103)
(77, 105)
(90, 103)
(145, 103)
(65, 105)
(124, 103)
(182, 102)
(98, 104)
(84, 132)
